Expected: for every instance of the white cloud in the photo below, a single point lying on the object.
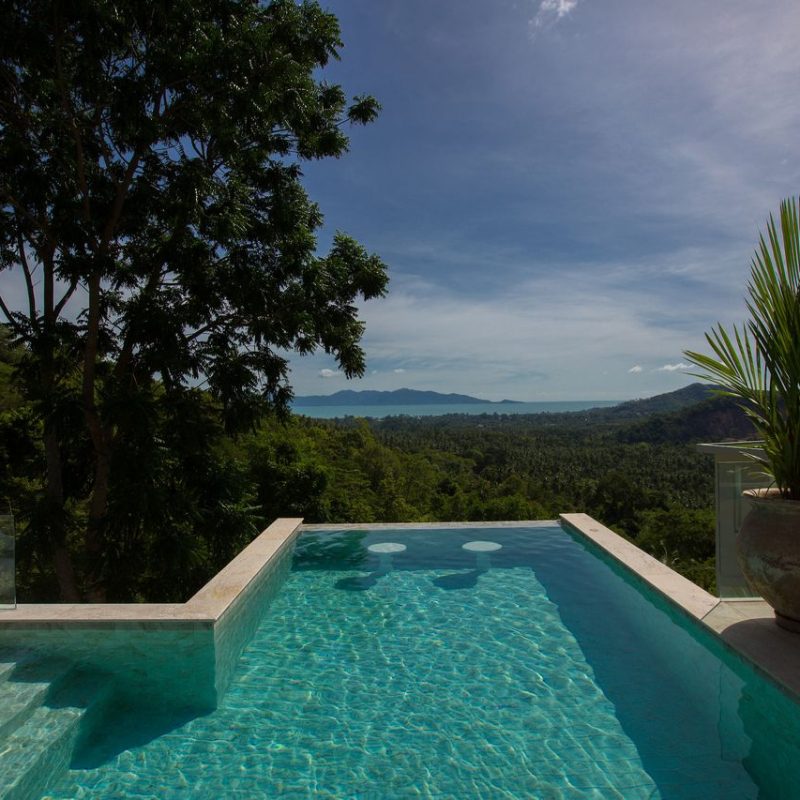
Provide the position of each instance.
(398, 371)
(674, 367)
(551, 11)
(679, 113)
(553, 331)
(557, 332)
(658, 138)
(329, 373)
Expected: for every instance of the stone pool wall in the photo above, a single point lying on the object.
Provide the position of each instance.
(179, 655)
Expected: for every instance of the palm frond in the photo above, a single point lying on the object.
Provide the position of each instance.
(759, 363)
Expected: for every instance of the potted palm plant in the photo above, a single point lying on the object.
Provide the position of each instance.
(759, 365)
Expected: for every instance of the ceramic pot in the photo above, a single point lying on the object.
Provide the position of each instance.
(768, 547)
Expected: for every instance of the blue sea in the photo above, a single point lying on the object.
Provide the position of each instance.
(438, 409)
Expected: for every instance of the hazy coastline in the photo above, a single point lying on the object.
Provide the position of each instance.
(439, 409)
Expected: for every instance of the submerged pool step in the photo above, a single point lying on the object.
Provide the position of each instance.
(23, 688)
(12, 661)
(38, 751)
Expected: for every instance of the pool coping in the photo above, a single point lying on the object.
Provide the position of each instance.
(203, 610)
(426, 526)
(747, 626)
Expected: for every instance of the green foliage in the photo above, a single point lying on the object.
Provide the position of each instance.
(759, 364)
(181, 503)
(461, 468)
(684, 539)
(717, 419)
(10, 356)
(187, 495)
(152, 209)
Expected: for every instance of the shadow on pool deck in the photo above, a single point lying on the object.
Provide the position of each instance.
(774, 649)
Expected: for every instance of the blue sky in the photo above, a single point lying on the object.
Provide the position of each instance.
(567, 192)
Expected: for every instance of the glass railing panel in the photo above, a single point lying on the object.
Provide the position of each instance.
(8, 572)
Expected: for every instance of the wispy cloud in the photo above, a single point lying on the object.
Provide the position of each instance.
(550, 11)
(329, 373)
(674, 367)
(556, 335)
(609, 224)
(398, 371)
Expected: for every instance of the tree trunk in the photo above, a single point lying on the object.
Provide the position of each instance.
(62, 562)
(97, 589)
(54, 480)
(98, 503)
(54, 492)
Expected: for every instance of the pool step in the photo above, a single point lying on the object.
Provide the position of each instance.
(24, 688)
(37, 751)
(11, 660)
(6, 668)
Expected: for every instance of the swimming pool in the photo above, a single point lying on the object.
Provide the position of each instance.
(535, 669)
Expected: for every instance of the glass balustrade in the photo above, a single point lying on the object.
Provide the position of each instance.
(734, 472)
(8, 589)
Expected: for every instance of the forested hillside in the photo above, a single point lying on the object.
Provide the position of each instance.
(642, 477)
(179, 519)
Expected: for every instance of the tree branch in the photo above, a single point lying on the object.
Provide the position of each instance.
(19, 208)
(119, 201)
(222, 320)
(59, 307)
(69, 111)
(11, 321)
(48, 289)
(90, 365)
(32, 312)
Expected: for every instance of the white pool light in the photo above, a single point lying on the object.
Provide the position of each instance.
(385, 551)
(482, 547)
(386, 547)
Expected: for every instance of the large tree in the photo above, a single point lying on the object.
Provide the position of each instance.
(151, 206)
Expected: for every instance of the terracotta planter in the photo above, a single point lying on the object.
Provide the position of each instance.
(768, 548)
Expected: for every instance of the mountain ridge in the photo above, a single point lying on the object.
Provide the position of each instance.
(397, 397)
(660, 403)
(665, 402)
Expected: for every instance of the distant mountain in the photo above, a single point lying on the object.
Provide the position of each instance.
(692, 414)
(690, 395)
(399, 397)
(717, 419)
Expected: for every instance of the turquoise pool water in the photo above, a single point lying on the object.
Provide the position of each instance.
(535, 671)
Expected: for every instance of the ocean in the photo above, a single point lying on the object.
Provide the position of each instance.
(439, 409)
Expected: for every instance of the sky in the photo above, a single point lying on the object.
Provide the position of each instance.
(567, 193)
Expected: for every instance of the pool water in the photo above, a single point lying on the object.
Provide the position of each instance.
(529, 671)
